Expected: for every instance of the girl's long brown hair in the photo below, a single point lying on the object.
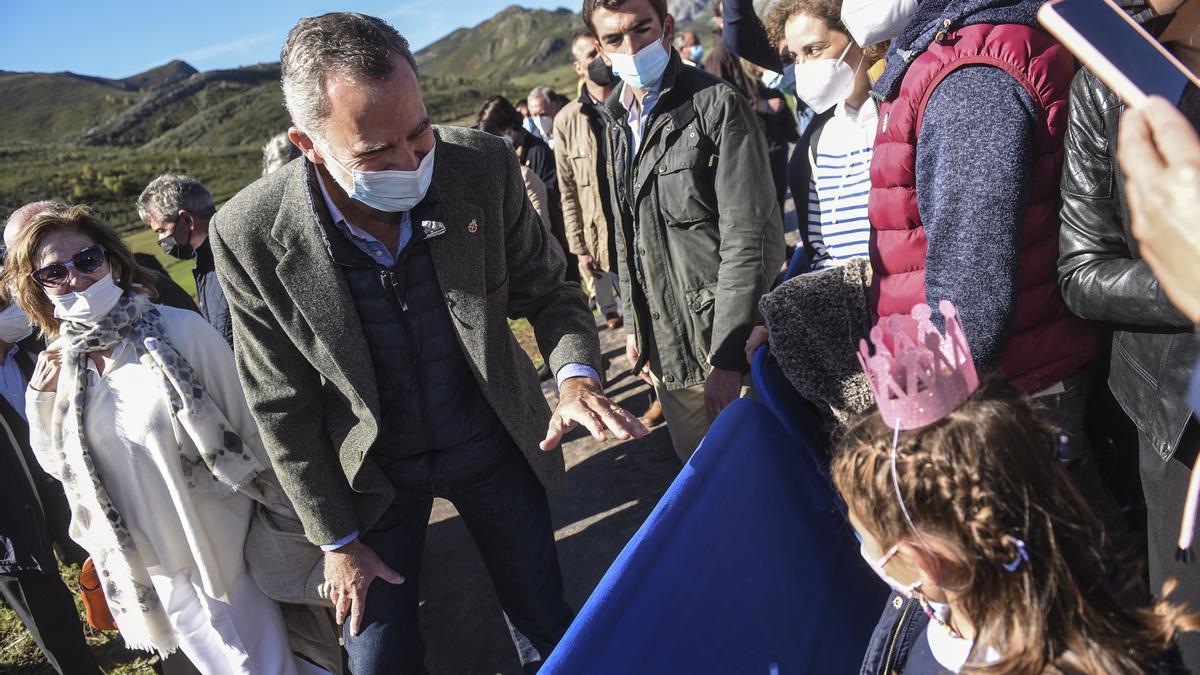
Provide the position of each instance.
(19, 261)
(979, 480)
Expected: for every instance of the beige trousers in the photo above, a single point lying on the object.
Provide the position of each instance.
(687, 415)
(603, 289)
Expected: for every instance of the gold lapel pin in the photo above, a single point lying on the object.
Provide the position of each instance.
(472, 226)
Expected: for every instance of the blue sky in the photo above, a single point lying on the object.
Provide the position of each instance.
(115, 38)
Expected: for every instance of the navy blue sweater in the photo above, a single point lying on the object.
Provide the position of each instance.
(974, 155)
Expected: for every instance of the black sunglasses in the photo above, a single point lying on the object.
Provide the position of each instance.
(86, 261)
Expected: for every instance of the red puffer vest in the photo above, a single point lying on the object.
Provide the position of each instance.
(1047, 342)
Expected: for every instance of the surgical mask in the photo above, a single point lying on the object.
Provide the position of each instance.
(600, 73)
(14, 324)
(877, 567)
(388, 191)
(89, 305)
(785, 81)
(171, 247)
(697, 53)
(644, 69)
(873, 21)
(545, 124)
(823, 83)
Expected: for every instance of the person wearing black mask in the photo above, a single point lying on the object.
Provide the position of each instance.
(586, 217)
(178, 209)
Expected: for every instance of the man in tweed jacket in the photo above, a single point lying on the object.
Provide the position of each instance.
(371, 283)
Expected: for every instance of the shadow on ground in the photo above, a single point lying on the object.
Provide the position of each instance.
(611, 488)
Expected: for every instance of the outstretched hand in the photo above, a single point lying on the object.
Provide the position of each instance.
(581, 402)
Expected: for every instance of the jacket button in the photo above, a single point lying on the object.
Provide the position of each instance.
(669, 378)
(654, 315)
(897, 602)
(641, 251)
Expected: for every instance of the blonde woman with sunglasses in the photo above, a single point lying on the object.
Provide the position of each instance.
(137, 409)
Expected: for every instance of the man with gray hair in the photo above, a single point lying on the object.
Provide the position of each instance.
(178, 209)
(541, 113)
(372, 288)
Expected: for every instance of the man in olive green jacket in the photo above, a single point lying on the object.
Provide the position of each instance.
(699, 237)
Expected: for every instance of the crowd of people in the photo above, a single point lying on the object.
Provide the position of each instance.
(989, 245)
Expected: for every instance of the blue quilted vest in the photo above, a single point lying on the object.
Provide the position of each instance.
(435, 423)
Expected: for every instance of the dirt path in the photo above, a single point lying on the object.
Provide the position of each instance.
(612, 487)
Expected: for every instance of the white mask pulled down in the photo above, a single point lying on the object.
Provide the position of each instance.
(823, 83)
(14, 324)
(90, 305)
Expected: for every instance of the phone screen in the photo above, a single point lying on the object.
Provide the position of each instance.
(1128, 49)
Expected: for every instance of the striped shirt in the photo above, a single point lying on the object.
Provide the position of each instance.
(838, 228)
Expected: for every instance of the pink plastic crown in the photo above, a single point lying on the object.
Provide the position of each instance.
(924, 375)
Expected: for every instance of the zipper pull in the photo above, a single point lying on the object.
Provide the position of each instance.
(388, 280)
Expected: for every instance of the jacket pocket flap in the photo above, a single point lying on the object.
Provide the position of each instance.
(701, 299)
(689, 159)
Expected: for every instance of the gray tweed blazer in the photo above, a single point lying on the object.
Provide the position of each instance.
(301, 352)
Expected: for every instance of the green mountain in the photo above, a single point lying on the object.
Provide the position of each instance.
(89, 139)
(516, 41)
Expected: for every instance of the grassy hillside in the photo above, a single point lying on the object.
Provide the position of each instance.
(48, 107)
(83, 139)
(515, 41)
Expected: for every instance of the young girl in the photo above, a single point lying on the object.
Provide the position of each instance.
(962, 508)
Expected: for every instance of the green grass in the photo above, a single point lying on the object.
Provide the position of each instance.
(19, 654)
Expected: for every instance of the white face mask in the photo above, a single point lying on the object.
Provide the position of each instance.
(14, 324)
(388, 191)
(824, 83)
(873, 21)
(877, 567)
(644, 69)
(89, 305)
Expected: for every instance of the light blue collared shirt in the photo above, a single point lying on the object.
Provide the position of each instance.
(638, 114)
(377, 251)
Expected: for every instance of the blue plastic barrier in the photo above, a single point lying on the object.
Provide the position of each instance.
(744, 566)
(800, 262)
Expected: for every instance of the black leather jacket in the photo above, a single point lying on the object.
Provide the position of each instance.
(1103, 277)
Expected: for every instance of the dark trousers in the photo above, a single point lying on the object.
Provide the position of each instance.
(47, 609)
(1165, 485)
(1068, 412)
(506, 511)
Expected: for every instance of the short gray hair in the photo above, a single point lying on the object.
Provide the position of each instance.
(355, 46)
(543, 92)
(168, 194)
(278, 151)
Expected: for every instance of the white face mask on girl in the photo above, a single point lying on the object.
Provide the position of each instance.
(877, 567)
(873, 21)
(822, 84)
(89, 305)
(14, 324)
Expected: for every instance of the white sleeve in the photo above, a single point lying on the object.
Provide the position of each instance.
(39, 411)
